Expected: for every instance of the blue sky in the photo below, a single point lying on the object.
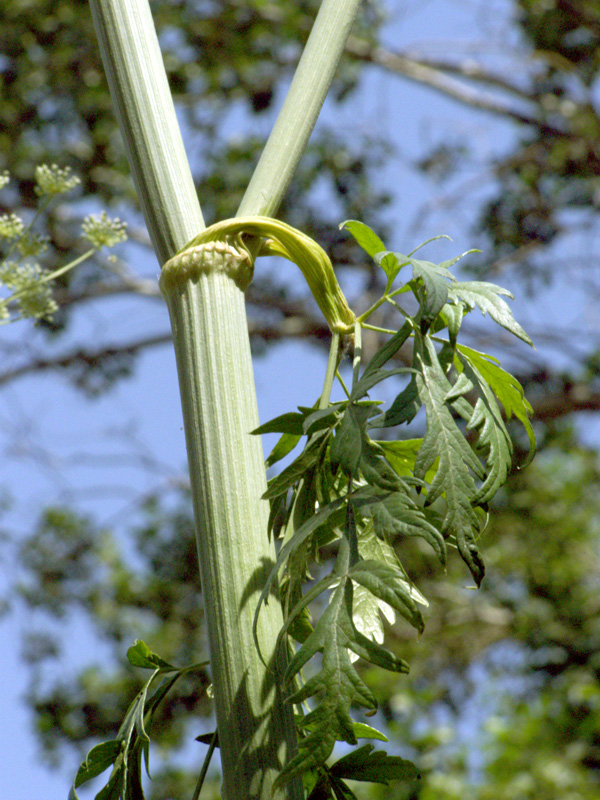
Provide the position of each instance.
(59, 447)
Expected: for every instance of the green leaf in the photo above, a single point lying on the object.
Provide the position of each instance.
(328, 787)
(436, 288)
(507, 389)
(403, 409)
(368, 381)
(364, 236)
(322, 418)
(367, 613)
(100, 758)
(347, 444)
(294, 471)
(361, 729)
(368, 609)
(140, 655)
(353, 450)
(292, 544)
(365, 764)
(364, 731)
(278, 515)
(372, 244)
(285, 445)
(388, 583)
(451, 316)
(396, 514)
(457, 462)
(494, 439)
(338, 685)
(390, 264)
(381, 357)
(132, 742)
(285, 423)
(402, 454)
(488, 298)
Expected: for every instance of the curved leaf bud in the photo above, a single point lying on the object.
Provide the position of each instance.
(226, 239)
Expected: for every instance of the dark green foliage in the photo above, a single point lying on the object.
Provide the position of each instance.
(539, 606)
(362, 497)
(557, 161)
(539, 593)
(131, 746)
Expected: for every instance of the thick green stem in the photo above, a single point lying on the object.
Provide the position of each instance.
(210, 333)
(142, 100)
(228, 478)
(256, 728)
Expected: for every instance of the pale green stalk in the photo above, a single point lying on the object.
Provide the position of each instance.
(144, 107)
(256, 729)
(296, 120)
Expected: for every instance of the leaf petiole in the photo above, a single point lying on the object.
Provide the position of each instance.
(332, 365)
(357, 353)
(377, 329)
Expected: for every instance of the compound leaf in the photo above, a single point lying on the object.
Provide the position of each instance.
(338, 684)
(396, 514)
(488, 298)
(457, 462)
(505, 386)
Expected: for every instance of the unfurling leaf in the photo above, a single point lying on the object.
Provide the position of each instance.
(140, 655)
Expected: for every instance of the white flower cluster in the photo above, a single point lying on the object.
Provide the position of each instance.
(52, 180)
(103, 231)
(28, 292)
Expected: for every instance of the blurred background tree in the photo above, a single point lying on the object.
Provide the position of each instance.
(504, 694)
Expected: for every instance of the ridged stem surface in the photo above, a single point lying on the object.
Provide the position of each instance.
(228, 478)
(210, 333)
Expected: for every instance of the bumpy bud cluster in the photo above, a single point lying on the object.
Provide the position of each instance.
(52, 180)
(278, 239)
(103, 231)
(28, 284)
